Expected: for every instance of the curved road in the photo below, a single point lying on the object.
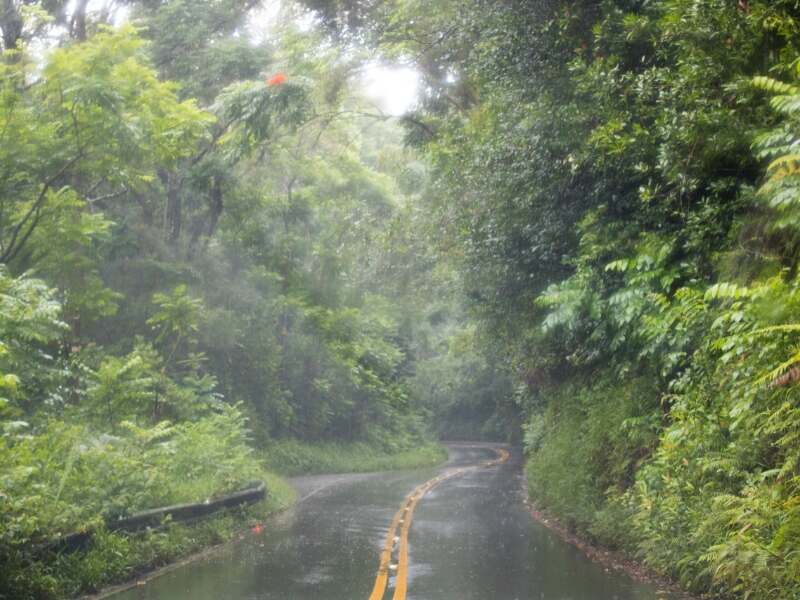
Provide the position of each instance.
(470, 538)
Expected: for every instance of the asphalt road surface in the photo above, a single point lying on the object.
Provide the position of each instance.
(458, 532)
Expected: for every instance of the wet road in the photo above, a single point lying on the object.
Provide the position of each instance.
(471, 538)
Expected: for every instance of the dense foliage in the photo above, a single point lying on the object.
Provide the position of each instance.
(586, 235)
(207, 269)
(617, 184)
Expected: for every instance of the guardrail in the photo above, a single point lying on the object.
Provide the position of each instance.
(155, 518)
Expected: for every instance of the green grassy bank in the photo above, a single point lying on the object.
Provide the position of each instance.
(291, 457)
(68, 477)
(691, 493)
(583, 453)
(118, 558)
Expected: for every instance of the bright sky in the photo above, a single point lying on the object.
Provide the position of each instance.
(394, 88)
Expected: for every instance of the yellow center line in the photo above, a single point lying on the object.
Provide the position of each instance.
(402, 519)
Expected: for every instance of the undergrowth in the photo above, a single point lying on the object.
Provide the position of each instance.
(292, 457)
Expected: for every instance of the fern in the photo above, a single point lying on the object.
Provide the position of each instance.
(773, 376)
(726, 291)
(781, 187)
(784, 166)
(787, 328)
(620, 266)
(773, 86)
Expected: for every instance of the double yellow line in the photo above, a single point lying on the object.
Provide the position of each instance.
(402, 520)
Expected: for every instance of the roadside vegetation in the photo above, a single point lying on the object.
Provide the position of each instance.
(217, 257)
(207, 275)
(291, 457)
(616, 183)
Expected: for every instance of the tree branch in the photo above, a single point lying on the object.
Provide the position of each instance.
(35, 208)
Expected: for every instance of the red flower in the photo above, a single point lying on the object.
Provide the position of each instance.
(258, 529)
(276, 80)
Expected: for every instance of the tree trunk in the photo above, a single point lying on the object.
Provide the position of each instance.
(78, 28)
(204, 226)
(10, 23)
(215, 207)
(173, 216)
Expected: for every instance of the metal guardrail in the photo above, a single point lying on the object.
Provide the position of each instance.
(155, 518)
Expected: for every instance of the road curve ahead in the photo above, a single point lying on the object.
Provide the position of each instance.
(455, 533)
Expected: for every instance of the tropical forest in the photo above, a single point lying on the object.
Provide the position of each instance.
(312, 248)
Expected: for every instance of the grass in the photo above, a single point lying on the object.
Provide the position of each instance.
(114, 558)
(581, 461)
(291, 457)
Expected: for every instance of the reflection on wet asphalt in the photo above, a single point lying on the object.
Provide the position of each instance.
(471, 538)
